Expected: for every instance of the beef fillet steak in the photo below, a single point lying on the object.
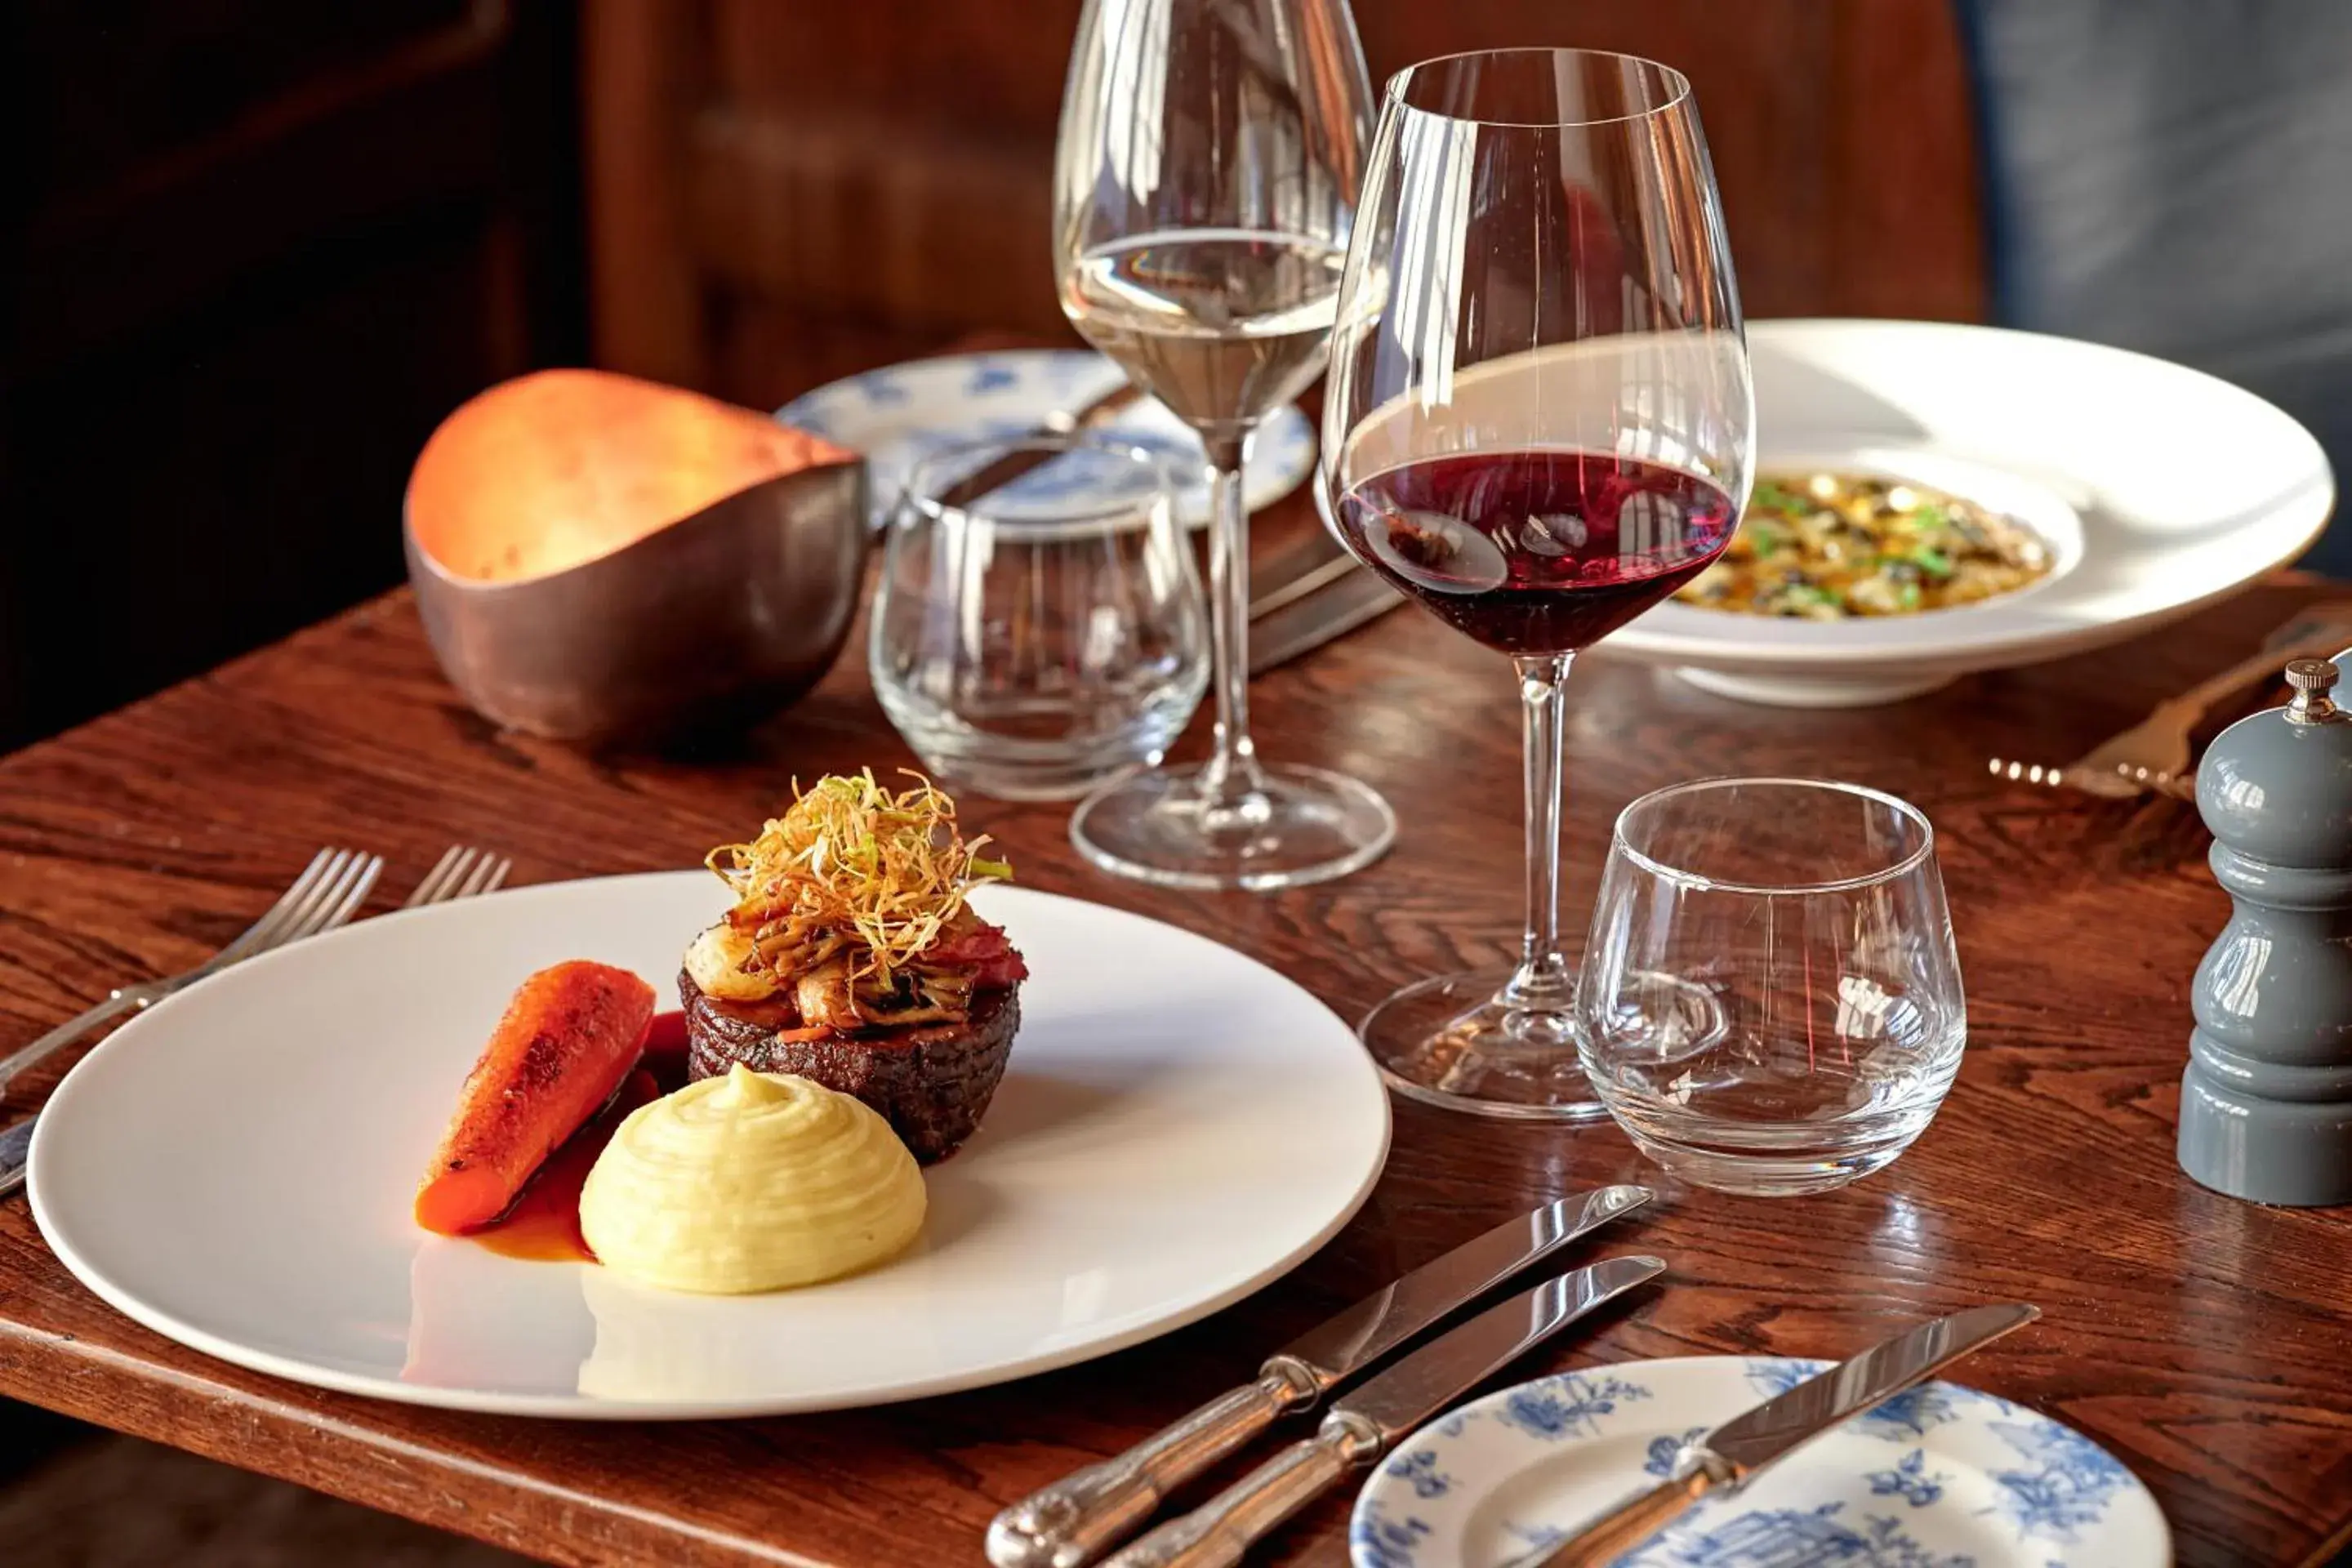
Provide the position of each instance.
(931, 1082)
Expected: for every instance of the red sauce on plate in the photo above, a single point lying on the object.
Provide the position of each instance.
(544, 1222)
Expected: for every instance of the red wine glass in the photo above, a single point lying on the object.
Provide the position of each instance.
(1538, 424)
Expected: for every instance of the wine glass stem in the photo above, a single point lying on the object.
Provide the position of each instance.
(1543, 983)
(1230, 778)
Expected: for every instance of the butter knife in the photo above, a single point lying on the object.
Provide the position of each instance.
(1311, 562)
(1001, 471)
(1361, 1426)
(1078, 1518)
(1319, 594)
(1735, 1451)
(1306, 623)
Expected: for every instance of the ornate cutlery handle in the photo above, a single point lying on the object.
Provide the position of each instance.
(1083, 1515)
(120, 1001)
(1635, 1520)
(16, 1149)
(1215, 1534)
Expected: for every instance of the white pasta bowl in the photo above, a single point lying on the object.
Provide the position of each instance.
(2161, 489)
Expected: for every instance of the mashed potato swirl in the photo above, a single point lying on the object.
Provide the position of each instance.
(750, 1181)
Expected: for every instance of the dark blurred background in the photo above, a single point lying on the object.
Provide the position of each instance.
(258, 247)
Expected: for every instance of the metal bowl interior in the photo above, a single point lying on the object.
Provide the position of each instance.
(715, 619)
(603, 559)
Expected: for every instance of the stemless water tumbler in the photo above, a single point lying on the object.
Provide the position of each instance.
(1771, 1001)
(1050, 636)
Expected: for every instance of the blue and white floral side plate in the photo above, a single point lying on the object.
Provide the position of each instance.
(1941, 1476)
(904, 412)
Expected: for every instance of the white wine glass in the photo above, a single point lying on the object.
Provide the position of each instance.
(1205, 187)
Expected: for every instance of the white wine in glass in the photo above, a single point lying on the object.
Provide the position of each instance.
(1204, 189)
(1223, 327)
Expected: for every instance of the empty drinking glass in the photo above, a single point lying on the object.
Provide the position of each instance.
(1049, 636)
(1771, 1000)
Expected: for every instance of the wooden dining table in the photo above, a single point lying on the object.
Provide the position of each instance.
(2206, 1341)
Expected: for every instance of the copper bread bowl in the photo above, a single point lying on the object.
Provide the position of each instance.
(604, 560)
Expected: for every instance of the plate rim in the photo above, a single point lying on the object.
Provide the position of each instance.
(1365, 1495)
(577, 1407)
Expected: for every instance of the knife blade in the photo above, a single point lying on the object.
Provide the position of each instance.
(1308, 623)
(1313, 593)
(1076, 1520)
(1312, 562)
(1001, 471)
(1735, 1451)
(1362, 1425)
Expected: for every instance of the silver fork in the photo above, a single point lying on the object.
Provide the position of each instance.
(462, 872)
(328, 892)
(2154, 756)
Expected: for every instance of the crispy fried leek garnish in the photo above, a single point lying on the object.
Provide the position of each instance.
(854, 871)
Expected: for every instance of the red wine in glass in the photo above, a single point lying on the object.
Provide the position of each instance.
(1537, 552)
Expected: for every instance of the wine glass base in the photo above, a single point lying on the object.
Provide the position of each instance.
(1451, 1041)
(1308, 824)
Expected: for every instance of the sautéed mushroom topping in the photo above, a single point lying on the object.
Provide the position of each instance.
(1830, 547)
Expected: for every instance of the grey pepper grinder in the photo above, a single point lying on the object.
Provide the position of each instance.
(2266, 1103)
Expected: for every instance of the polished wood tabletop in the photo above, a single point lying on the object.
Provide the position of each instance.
(2206, 1343)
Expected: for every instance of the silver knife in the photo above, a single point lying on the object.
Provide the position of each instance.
(1307, 622)
(16, 1149)
(1361, 1426)
(1737, 1450)
(1321, 599)
(1078, 1518)
(994, 476)
(1313, 563)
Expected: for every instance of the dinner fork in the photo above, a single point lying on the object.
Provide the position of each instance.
(2154, 756)
(462, 872)
(327, 893)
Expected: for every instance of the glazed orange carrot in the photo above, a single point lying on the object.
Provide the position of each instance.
(569, 1037)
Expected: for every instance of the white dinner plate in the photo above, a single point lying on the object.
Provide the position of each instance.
(1178, 1126)
(2163, 489)
(904, 412)
(1941, 1476)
